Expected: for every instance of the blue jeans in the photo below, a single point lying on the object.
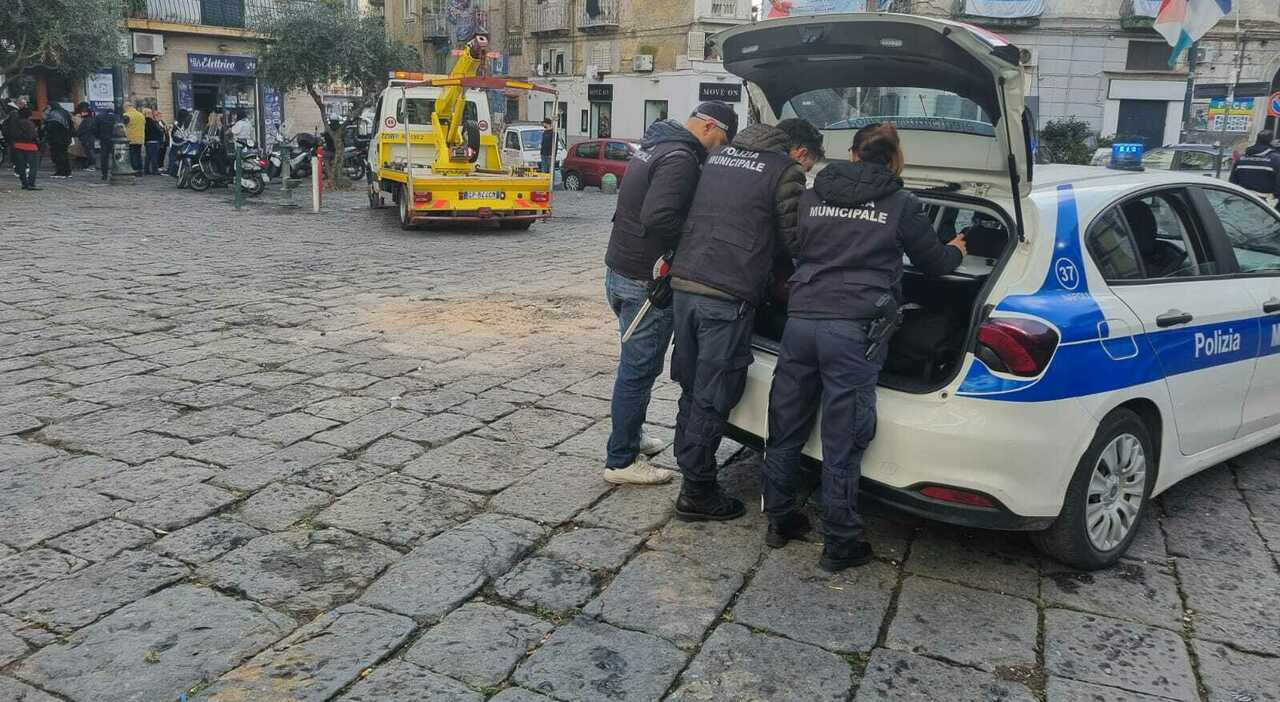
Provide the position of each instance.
(639, 365)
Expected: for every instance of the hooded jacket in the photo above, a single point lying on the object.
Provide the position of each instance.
(135, 126)
(654, 198)
(742, 217)
(854, 226)
(1258, 170)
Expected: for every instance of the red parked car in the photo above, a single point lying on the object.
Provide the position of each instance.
(588, 161)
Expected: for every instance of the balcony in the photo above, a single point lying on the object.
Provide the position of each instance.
(231, 14)
(548, 16)
(1138, 14)
(607, 14)
(723, 11)
(435, 21)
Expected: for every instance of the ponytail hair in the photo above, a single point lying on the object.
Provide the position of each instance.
(881, 145)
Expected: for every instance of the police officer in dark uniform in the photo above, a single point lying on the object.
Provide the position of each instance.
(744, 209)
(854, 226)
(656, 190)
(1259, 168)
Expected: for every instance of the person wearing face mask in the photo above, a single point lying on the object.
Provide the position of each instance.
(734, 237)
(853, 228)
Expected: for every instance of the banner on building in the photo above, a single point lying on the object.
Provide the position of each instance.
(222, 65)
(1234, 118)
(1146, 8)
(1004, 9)
(100, 90)
(793, 8)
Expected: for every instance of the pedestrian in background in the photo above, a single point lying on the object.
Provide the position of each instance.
(652, 203)
(57, 134)
(26, 149)
(85, 135)
(547, 149)
(104, 128)
(135, 129)
(7, 127)
(742, 214)
(155, 136)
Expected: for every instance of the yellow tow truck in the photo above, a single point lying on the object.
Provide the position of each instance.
(435, 153)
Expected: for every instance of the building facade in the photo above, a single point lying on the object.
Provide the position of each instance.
(201, 55)
(1100, 61)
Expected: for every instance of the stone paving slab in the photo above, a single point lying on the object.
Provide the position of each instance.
(478, 643)
(594, 549)
(1231, 676)
(1114, 653)
(586, 660)
(13, 691)
(1233, 603)
(1064, 690)
(400, 681)
(205, 540)
(666, 595)
(634, 509)
(279, 506)
(445, 571)
(338, 477)
(27, 524)
(546, 585)
(153, 479)
(157, 647)
(791, 596)
(71, 602)
(368, 428)
(286, 429)
(100, 541)
(264, 470)
(736, 664)
(478, 465)
(930, 625)
(399, 511)
(893, 676)
(178, 508)
(30, 569)
(542, 428)
(301, 572)
(1141, 592)
(439, 429)
(225, 451)
(316, 661)
(554, 493)
(986, 560)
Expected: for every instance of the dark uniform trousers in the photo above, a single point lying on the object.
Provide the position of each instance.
(827, 357)
(709, 361)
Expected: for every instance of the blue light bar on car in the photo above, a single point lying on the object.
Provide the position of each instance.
(1127, 157)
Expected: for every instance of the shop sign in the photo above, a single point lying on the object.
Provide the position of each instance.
(600, 92)
(724, 92)
(1234, 118)
(100, 90)
(222, 65)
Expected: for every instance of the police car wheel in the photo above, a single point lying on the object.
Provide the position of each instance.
(1107, 496)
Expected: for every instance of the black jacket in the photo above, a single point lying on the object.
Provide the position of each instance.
(87, 130)
(854, 227)
(104, 127)
(654, 198)
(741, 217)
(548, 143)
(1258, 170)
(153, 130)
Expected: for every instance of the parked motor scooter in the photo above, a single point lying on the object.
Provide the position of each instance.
(214, 166)
(298, 151)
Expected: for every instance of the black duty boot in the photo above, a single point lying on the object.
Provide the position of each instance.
(707, 504)
(791, 526)
(841, 555)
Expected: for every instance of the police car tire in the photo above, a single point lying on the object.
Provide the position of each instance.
(1067, 539)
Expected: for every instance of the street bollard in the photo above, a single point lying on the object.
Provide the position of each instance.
(317, 164)
(239, 197)
(120, 165)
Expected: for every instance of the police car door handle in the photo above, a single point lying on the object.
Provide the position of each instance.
(1271, 306)
(1173, 318)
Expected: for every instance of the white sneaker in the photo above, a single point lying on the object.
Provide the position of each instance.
(638, 473)
(650, 446)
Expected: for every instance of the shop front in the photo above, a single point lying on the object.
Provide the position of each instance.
(600, 96)
(221, 84)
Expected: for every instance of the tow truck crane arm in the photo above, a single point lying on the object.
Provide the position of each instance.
(451, 102)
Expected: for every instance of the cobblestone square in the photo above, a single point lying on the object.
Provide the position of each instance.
(272, 455)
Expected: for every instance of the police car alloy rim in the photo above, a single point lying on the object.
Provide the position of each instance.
(1116, 491)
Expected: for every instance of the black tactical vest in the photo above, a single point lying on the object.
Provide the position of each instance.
(1256, 172)
(730, 235)
(848, 257)
(632, 251)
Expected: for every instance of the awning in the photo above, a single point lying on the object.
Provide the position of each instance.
(1004, 9)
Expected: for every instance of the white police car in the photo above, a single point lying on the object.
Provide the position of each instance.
(1110, 333)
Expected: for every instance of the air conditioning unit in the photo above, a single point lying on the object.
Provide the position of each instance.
(148, 44)
(1029, 57)
(593, 72)
(642, 63)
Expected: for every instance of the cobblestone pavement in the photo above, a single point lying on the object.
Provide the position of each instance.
(271, 455)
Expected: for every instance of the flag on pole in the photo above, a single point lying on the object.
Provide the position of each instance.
(1182, 22)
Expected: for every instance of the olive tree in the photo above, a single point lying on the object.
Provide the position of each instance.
(72, 37)
(311, 44)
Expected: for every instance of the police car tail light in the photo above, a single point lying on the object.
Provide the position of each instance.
(960, 497)
(1016, 346)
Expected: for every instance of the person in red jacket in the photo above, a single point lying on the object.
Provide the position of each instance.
(26, 149)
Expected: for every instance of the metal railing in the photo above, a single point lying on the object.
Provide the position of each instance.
(240, 14)
(435, 20)
(547, 16)
(607, 14)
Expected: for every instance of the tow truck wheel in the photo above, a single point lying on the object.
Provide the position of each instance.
(406, 221)
(375, 197)
(1107, 496)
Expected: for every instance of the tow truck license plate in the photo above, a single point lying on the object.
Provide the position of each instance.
(484, 195)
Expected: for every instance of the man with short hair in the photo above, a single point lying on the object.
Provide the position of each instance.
(1259, 168)
(653, 199)
(547, 149)
(743, 211)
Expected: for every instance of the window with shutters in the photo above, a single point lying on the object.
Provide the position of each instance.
(602, 57)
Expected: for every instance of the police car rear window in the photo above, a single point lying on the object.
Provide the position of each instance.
(908, 108)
